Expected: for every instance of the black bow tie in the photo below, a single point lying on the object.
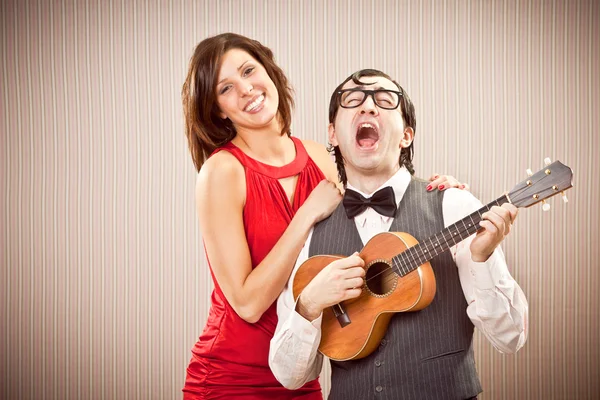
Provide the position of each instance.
(383, 201)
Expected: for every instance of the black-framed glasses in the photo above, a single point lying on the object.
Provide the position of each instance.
(383, 98)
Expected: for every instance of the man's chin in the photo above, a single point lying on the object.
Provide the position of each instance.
(366, 166)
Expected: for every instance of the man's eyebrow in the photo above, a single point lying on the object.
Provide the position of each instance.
(239, 68)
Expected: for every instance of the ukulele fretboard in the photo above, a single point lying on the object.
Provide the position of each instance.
(413, 257)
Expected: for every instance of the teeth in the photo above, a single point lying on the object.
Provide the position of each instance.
(366, 125)
(255, 103)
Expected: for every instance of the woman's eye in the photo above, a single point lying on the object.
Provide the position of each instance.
(224, 89)
(248, 71)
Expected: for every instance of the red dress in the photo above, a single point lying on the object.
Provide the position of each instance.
(230, 360)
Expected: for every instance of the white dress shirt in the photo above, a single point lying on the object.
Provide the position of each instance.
(496, 304)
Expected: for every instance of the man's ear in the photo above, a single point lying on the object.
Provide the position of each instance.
(331, 135)
(407, 137)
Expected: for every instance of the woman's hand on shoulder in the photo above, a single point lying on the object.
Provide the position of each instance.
(322, 201)
(443, 182)
(326, 196)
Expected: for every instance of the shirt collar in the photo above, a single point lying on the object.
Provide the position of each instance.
(399, 182)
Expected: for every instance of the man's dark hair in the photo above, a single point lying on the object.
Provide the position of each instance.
(408, 115)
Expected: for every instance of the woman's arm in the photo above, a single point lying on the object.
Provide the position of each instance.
(220, 198)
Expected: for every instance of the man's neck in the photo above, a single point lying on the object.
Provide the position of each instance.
(369, 183)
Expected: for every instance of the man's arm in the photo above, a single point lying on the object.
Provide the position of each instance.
(496, 304)
(293, 356)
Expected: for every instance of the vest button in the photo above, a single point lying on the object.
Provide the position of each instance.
(378, 363)
(378, 389)
(383, 342)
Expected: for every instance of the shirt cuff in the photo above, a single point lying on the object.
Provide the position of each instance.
(481, 272)
(309, 329)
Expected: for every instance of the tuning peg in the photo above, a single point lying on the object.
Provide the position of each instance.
(545, 206)
(564, 197)
(529, 173)
(547, 161)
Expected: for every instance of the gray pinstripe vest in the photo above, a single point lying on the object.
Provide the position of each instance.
(426, 354)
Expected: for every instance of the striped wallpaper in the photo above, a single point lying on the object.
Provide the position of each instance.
(104, 286)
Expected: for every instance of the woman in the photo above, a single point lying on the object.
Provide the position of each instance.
(259, 192)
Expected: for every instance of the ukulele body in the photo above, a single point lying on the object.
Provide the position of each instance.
(385, 293)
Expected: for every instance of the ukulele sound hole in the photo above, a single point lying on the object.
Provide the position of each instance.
(380, 279)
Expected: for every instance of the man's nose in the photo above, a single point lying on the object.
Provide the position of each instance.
(368, 106)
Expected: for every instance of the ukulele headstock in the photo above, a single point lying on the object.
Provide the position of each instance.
(551, 180)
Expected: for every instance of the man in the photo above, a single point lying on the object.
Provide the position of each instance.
(425, 354)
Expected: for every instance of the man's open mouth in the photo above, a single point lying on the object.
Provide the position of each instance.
(367, 135)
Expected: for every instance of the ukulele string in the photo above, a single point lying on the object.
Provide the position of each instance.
(416, 258)
(406, 262)
(428, 247)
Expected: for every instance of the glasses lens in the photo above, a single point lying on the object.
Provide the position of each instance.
(386, 99)
(352, 98)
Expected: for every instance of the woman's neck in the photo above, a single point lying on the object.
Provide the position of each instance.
(267, 145)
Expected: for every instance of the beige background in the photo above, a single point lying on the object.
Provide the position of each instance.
(104, 286)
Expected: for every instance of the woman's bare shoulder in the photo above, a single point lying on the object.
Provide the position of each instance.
(222, 167)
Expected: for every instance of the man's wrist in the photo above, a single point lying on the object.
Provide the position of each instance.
(480, 258)
(306, 308)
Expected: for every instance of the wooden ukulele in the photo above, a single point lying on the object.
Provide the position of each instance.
(399, 277)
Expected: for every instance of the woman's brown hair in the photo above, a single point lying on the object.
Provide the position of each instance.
(204, 128)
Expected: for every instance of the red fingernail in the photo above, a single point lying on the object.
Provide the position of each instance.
(441, 187)
(462, 186)
(429, 188)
